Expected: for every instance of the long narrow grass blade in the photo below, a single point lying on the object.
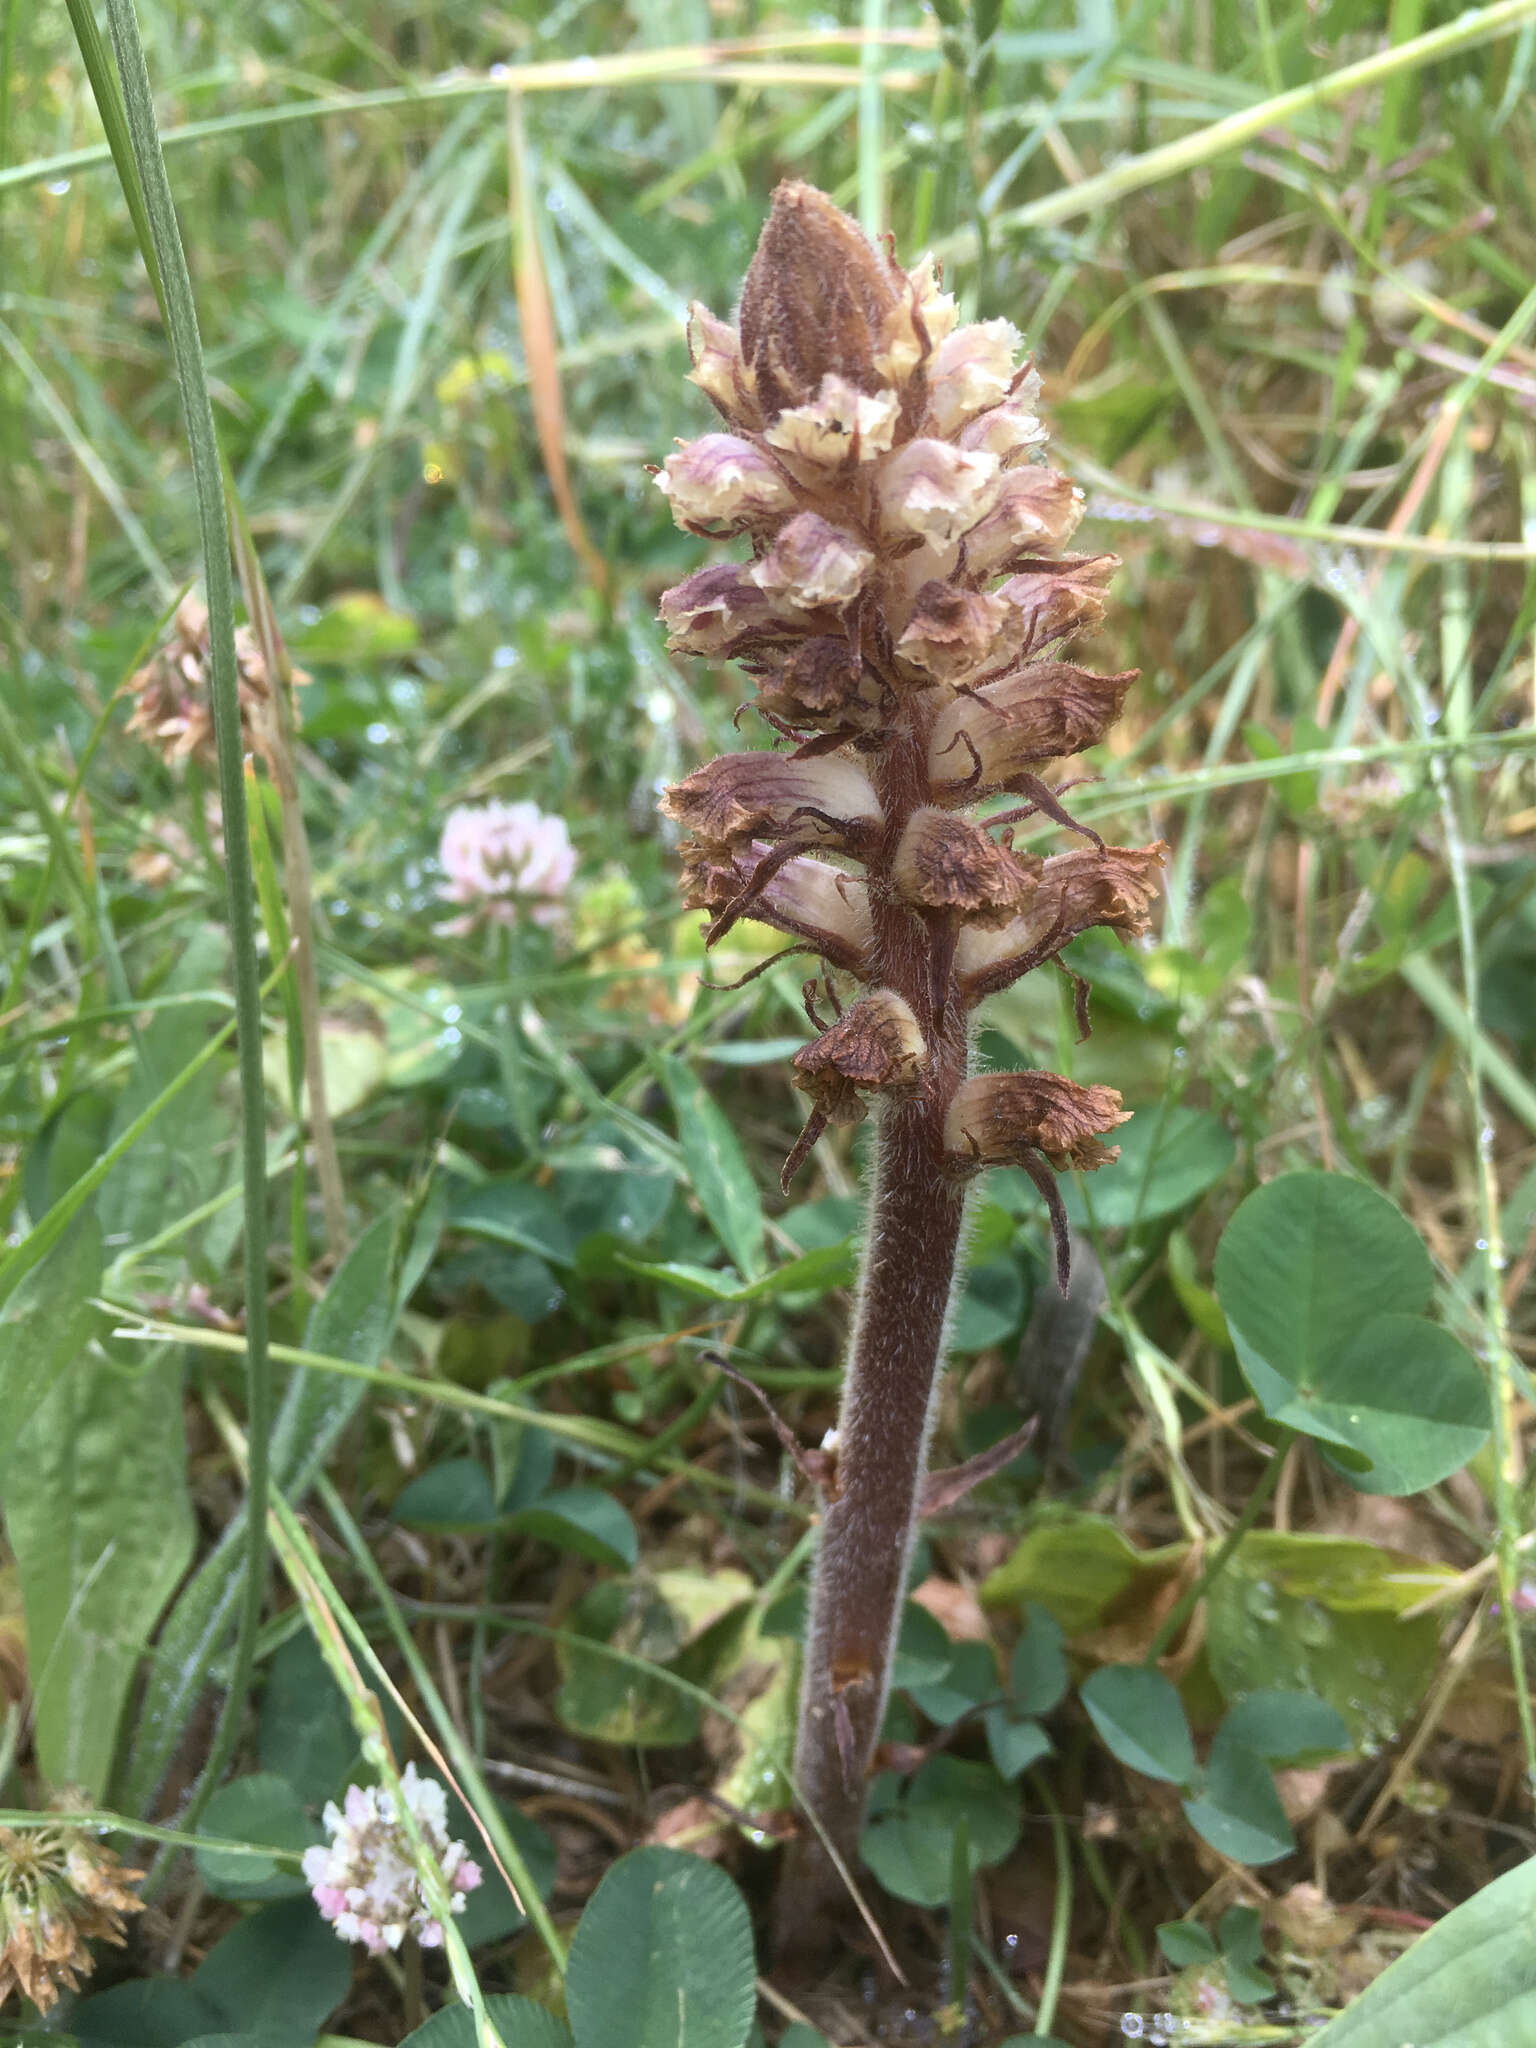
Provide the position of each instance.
(186, 349)
(1098, 194)
(85, 453)
(114, 118)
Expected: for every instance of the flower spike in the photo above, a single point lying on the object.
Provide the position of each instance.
(901, 602)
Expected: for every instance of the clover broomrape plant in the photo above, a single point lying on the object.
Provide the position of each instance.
(902, 614)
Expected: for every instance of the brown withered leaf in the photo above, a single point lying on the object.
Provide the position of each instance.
(541, 350)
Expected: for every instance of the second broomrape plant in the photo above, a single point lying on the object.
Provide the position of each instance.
(903, 615)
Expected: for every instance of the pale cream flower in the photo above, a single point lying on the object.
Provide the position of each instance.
(936, 490)
(840, 424)
(973, 369)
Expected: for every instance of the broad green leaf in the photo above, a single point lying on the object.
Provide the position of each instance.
(909, 1845)
(522, 1455)
(1037, 1671)
(457, 1494)
(354, 1057)
(616, 1184)
(100, 1522)
(662, 1957)
(146, 2012)
(65, 1145)
(1185, 1942)
(515, 1212)
(256, 2037)
(1305, 1262)
(1322, 1614)
(829, 1220)
(353, 1320)
(1287, 1729)
(584, 1520)
(1322, 1280)
(1168, 1158)
(1405, 1395)
(970, 1682)
(1246, 1984)
(1297, 792)
(924, 1652)
(305, 1733)
(1470, 1982)
(280, 1967)
(1140, 1718)
(814, 1272)
(263, 1809)
(1196, 1300)
(1237, 1809)
(180, 1161)
(1241, 1935)
(358, 630)
(991, 1308)
(517, 1281)
(520, 2023)
(1014, 1742)
(717, 1166)
(44, 1328)
(1079, 1568)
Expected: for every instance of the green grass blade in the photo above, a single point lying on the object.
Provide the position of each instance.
(186, 348)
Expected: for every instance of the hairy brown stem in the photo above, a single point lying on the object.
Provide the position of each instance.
(867, 1533)
(896, 1350)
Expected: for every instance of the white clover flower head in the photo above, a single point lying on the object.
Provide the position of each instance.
(364, 1881)
(506, 858)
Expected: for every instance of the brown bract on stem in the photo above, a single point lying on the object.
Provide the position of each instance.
(903, 610)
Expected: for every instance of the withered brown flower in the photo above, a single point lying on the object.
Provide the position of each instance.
(59, 1890)
(172, 703)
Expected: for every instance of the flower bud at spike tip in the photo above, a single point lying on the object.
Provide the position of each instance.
(898, 599)
(816, 301)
